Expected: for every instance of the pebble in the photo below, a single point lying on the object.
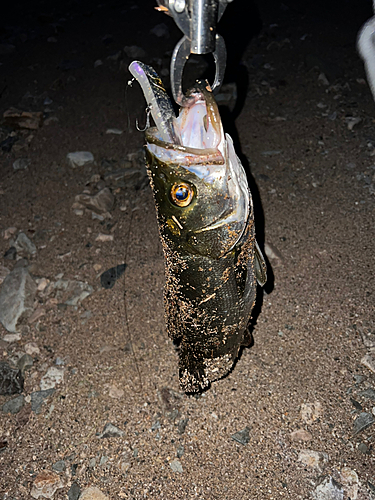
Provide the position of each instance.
(242, 437)
(14, 405)
(182, 425)
(314, 459)
(328, 489)
(363, 448)
(300, 435)
(37, 399)
(72, 292)
(74, 492)
(109, 277)
(134, 52)
(79, 158)
(104, 237)
(24, 244)
(98, 63)
(54, 376)
(21, 164)
(38, 313)
(101, 202)
(11, 380)
(42, 284)
(92, 493)
(310, 412)
(352, 121)
(160, 30)
(114, 131)
(110, 431)
(17, 295)
(323, 79)
(31, 348)
(9, 232)
(368, 393)
(369, 362)
(180, 451)
(59, 466)
(362, 422)
(176, 466)
(350, 482)
(45, 484)
(12, 337)
(115, 393)
(25, 362)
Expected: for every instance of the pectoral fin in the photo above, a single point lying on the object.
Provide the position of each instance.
(260, 266)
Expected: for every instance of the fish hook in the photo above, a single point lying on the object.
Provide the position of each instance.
(148, 112)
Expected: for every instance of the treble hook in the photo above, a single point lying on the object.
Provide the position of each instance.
(148, 112)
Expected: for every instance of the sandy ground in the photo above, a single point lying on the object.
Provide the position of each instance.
(313, 180)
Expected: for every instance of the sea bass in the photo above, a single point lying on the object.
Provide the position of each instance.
(206, 223)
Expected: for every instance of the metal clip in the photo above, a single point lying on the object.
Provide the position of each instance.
(197, 19)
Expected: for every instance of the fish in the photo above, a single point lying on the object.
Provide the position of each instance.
(205, 216)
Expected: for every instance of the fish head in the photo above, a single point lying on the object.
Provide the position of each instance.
(200, 187)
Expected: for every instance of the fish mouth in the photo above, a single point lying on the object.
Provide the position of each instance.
(199, 136)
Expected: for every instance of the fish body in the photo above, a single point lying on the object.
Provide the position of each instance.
(206, 223)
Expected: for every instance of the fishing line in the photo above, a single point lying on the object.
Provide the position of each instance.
(125, 318)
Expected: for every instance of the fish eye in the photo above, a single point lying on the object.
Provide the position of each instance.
(182, 194)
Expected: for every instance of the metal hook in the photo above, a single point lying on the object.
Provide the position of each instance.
(130, 82)
(148, 113)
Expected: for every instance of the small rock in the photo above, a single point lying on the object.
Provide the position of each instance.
(114, 131)
(79, 158)
(21, 263)
(101, 202)
(21, 164)
(14, 405)
(109, 277)
(363, 448)
(98, 63)
(242, 437)
(369, 362)
(312, 458)
(323, 79)
(104, 237)
(300, 435)
(328, 489)
(350, 482)
(176, 466)
(11, 380)
(72, 292)
(115, 393)
(31, 348)
(59, 466)
(368, 393)
(180, 451)
(17, 295)
(9, 232)
(271, 153)
(45, 484)
(12, 337)
(54, 376)
(362, 422)
(92, 493)
(25, 362)
(160, 30)
(352, 121)
(74, 492)
(182, 425)
(127, 177)
(11, 253)
(37, 399)
(110, 431)
(23, 119)
(134, 52)
(38, 313)
(310, 412)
